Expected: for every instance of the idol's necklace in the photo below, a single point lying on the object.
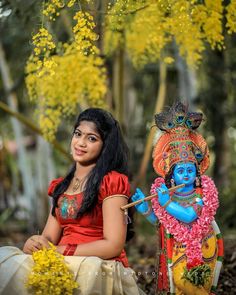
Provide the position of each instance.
(184, 197)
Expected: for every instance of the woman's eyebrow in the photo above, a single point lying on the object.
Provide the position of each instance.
(95, 134)
(89, 133)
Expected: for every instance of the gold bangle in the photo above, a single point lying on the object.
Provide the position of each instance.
(197, 208)
(167, 203)
(148, 212)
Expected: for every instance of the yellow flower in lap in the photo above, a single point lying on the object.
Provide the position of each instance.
(48, 273)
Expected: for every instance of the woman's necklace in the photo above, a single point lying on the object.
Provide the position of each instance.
(78, 184)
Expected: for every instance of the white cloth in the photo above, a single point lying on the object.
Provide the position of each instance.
(94, 275)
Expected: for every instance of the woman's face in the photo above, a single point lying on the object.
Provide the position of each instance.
(185, 173)
(86, 143)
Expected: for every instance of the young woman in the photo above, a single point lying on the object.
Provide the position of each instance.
(86, 221)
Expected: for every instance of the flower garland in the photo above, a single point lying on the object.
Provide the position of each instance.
(50, 274)
(191, 236)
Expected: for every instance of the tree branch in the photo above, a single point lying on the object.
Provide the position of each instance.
(33, 127)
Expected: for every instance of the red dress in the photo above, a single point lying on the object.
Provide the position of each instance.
(89, 227)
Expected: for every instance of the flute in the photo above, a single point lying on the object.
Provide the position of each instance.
(172, 189)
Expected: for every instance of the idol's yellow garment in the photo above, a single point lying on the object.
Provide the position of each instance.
(209, 252)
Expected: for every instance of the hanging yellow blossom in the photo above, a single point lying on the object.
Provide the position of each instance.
(59, 82)
(60, 77)
(231, 17)
(168, 60)
(50, 275)
(182, 28)
(53, 7)
(144, 43)
(84, 34)
(152, 27)
(119, 17)
(208, 19)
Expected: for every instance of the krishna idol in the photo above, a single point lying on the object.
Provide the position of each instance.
(191, 244)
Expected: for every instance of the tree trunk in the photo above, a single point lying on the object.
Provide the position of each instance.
(118, 85)
(187, 90)
(101, 9)
(26, 173)
(149, 143)
(215, 100)
(44, 171)
(34, 128)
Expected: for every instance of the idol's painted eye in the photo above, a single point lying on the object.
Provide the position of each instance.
(180, 171)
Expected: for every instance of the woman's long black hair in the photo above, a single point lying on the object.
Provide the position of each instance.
(114, 156)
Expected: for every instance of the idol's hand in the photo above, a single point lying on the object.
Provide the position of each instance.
(163, 194)
(199, 201)
(143, 206)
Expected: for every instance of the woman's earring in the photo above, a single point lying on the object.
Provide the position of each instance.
(172, 182)
(197, 182)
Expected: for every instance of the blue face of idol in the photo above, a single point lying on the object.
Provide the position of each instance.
(185, 173)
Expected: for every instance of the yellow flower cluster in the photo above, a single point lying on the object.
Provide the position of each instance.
(43, 42)
(208, 19)
(59, 82)
(50, 274)
(231, 17)
(150, 28)
(40, 62)
(84, 34)
(43, 46)
(146, 36)
(118, 19)
(185, 32)
(53, 7)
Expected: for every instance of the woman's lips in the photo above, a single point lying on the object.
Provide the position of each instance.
(79, 152)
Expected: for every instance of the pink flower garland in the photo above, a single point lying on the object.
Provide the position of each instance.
(191, 236)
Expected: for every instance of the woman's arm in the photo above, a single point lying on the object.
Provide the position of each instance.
(52, 230)
(114, 232)
(51, 233)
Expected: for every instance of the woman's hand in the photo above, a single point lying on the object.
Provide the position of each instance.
(61, 249)
(35, 243)
(163, 194)
(143, 206)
